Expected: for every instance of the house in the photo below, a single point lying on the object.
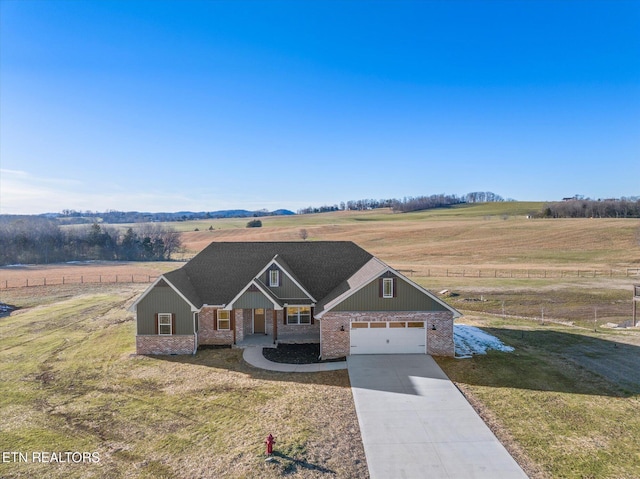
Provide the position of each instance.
(331, 292)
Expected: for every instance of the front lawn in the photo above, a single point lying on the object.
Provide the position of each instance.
(70, 383)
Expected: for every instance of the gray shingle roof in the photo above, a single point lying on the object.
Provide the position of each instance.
(221, 270)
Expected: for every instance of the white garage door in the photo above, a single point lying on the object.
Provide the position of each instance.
(388, 337)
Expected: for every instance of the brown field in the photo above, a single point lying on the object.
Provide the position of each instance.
(88, 272)
(423, 240)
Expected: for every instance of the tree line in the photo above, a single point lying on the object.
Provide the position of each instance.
(588, 208)
(36, 240)
(69, 217)
(406, 204)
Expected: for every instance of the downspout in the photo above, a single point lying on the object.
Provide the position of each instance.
(195, 333)
(320, 357)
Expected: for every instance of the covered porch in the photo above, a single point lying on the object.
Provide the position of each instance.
(268, 327)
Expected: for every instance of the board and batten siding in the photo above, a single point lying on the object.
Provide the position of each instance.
(163, 299)
(252, 300)
(408, 298)
(287, 289)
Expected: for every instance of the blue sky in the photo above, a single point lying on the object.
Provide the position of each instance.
(206, 105)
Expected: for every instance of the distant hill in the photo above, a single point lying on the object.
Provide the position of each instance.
(115, 217)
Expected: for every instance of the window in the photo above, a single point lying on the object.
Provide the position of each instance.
(395, 324)
(387, 287)
(274, 278)
(359, 325)
(299, 315)
(415, 324)
(224, 320)
(378, 324)
(164, 324)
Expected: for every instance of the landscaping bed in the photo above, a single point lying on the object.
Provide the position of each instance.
(296, 354)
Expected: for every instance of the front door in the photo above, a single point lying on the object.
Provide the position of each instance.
(258, 321)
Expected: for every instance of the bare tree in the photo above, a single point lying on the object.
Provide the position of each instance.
(303, 234)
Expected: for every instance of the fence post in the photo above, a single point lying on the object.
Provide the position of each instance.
(81, 279)
(27, 282)
(132, 278)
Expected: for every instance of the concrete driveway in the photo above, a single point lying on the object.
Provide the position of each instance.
(416, 424)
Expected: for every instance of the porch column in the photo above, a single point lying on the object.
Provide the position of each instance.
(275, 325)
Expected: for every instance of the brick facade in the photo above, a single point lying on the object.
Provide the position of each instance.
(156, 344)
(440, 340)
(335, 330)
(290, 331)
(336, 343)
(206, 332)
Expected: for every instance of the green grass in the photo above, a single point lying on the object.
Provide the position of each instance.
(561, 417)
(70, 383)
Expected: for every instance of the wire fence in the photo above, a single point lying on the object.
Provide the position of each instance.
(587, 316)
(76, 279)
(522, 273)
(427, 272)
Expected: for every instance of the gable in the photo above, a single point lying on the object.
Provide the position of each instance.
(163, 299)
(252, 298)
(286, 288)
(407, 298)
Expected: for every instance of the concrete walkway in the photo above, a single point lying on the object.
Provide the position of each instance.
(254, 356)
(415, 423)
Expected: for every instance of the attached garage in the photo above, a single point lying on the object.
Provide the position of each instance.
(388, 337)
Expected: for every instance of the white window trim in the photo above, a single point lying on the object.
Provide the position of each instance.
(387, 283)
(274, 278)
(298, 315)
(227, 319)
(162, 316)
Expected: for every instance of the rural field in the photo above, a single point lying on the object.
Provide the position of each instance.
(564, 403)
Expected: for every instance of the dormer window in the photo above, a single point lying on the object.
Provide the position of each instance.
(387, 288)
(274, 278)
